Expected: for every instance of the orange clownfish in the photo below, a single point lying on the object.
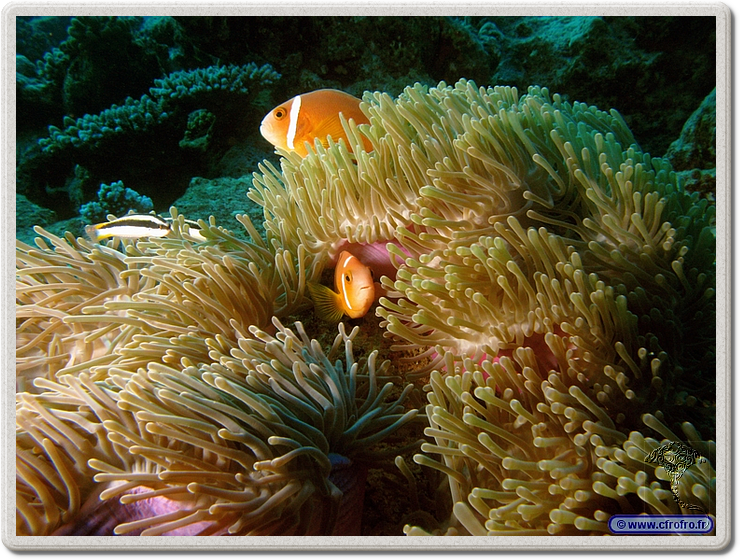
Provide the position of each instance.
(355, 290)
(309, 116)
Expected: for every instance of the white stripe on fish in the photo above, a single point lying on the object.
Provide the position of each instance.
(137, 226)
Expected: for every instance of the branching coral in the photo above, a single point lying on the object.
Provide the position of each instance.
(114, 199)
(168, 94)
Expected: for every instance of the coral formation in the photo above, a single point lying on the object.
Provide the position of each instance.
(198, 132)
(553, 284)
(155, 144)
(117, 200)
(100, 61)
(92, 131)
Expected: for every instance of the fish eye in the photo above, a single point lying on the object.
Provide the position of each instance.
(347, 278)
(280, 113)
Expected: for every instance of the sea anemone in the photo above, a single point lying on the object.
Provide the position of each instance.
(538, 248)
(542, 458)
(552, 282)
(149, 358)
(564, 268)
(267, 438)
(79, 302)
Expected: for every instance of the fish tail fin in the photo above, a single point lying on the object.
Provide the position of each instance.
(327, 303)
(93, 233)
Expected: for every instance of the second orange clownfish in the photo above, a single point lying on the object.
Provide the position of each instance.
(309, 116)
(355, 290)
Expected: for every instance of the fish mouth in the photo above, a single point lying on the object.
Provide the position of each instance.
(267, 132)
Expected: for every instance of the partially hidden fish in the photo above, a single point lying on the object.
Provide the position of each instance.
(355, 290)
(137, 226)
(312, 115)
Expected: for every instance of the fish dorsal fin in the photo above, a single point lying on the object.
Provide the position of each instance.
(328, 304)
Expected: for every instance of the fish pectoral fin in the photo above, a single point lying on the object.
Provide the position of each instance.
(331, 126)
(326, 302)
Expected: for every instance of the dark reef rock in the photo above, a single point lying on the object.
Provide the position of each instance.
(221, 198)
(350, 53)
(38, 35)
(651, 69)
(694, 154)
(27, 215)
